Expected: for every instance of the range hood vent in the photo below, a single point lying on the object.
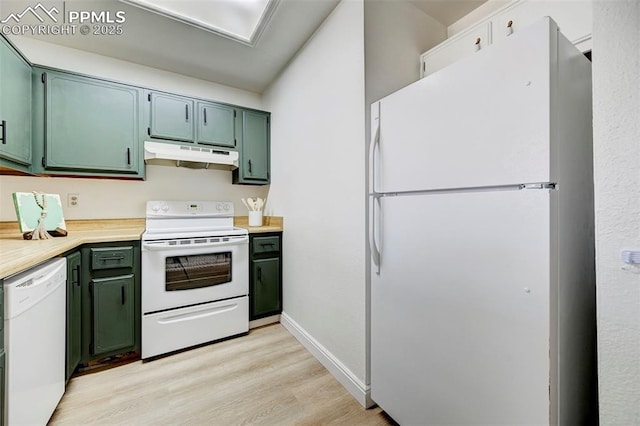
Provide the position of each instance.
(195, 157)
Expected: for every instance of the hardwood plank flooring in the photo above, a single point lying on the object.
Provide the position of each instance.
(264, 378)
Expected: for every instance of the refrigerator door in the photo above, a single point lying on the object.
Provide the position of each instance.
(483, 121)
(460, 310)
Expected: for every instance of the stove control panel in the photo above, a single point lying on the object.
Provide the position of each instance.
(194, 207)
(189, 208)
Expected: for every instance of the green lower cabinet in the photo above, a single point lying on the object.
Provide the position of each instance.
(113, 314)
(74, 313)
(110, 299)
(265, 287)
(2, 357)
(265, 275)
(255, 139)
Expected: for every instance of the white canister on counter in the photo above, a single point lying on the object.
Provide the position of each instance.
(255, 218)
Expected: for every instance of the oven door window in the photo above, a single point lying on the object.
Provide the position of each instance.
(197, 271)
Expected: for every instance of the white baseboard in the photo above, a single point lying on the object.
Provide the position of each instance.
(360, 391)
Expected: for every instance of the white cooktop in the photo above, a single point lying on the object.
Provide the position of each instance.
(187, 219)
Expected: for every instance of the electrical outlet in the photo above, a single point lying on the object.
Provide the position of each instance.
(73, 200)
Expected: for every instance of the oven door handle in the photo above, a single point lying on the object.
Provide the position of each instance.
(166, 246)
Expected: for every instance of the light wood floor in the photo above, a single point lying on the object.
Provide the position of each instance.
(266, 377)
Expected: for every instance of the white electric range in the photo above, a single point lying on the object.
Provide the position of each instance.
(195, 275)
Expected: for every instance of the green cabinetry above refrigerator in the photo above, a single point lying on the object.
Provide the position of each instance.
(15, 108)
(86, 125)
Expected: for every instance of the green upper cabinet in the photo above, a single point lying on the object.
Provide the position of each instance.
(216, 125)
(254, 127)
(171, 117)
(15, 108)
(90, 126)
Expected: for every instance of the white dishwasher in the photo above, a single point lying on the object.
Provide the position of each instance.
(34, 340)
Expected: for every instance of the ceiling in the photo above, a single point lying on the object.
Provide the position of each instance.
(157, 41)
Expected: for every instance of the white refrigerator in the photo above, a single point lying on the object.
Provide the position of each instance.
(481, 238)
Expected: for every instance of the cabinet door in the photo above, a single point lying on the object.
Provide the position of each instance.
(216, 125)
(265, 287)
(15, 106)
(456, 48)
(74, 313)
(574, 18)
(91, 124)
(255, 148)
(171, 117)
(113, 313)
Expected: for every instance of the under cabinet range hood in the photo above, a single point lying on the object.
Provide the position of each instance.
(196, 157)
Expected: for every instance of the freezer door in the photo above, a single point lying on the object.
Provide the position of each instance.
(460, 326)
(482, 121)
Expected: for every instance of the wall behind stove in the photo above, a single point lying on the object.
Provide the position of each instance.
(109, 198)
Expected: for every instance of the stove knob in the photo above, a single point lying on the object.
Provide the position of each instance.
(155, 208)
(227, 207)
(165, 208)
(219, 207)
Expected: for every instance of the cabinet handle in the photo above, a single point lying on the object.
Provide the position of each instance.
(478, 46)
(128, 156)
(104, 259)
(260, 274)
(186, 111)
(509, 28)
(122, 294)
(205, 116)
(77, 278)
(4, 132)
(250, 167)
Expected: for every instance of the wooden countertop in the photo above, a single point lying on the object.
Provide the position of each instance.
(17, 254)
(269, 224)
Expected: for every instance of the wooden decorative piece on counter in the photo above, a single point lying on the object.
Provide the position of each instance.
(39, 215)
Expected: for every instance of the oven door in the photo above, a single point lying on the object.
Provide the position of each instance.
(188, 271)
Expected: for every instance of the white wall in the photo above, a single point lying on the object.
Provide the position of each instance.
(396, 34)
(109, 198)
(616, 123)
(112, 199)
(477, 14)
(318, 167)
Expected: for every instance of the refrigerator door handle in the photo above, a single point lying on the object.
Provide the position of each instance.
(375, 141)
(374, 227)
